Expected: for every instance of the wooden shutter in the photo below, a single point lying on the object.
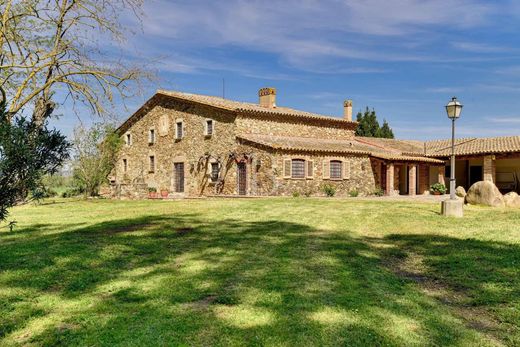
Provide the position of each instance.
(310, 168)
(346, 170)
(287, 163)
(326, 169)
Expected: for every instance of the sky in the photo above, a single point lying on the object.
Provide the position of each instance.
(404, 58)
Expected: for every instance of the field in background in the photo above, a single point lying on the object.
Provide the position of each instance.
(281, 271)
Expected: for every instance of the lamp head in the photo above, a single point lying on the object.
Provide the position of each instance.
(454, 108)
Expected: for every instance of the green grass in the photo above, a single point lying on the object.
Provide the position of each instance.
(266, 272)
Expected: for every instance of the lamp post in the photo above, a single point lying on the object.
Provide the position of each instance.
(453, 207)
(453, 109)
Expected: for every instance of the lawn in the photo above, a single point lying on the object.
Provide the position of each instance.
(273, 272)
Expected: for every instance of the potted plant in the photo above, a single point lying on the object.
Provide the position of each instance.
(152, 192)
(438, 189)
(164, 193)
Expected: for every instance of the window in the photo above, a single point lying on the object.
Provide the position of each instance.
(125, 165)
(128, 139)
(152, 164)
(179, 131)
(151, 136)
(214, 172)
(335, 169)
(209, 127)
(178, 171)
(298, 168)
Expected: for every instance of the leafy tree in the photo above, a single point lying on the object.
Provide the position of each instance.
(95, 156)
(51, 45)
(27, 152)
(368, 125)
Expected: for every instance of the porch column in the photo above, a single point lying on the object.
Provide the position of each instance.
(389, 179)
(412, 179)
(489, 168)
(424, 179)
(440, 177)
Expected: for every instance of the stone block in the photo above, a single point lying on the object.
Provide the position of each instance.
(452, 208)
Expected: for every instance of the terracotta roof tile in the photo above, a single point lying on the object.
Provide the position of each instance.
(246, 107)
(308, 144)
(332, 146)
(471, 146)
(403, 146)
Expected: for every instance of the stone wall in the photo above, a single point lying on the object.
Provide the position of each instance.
(191, 149)
(284, 126)
(266, 174)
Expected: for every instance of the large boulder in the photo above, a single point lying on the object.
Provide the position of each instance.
(485, 193)
(460, 192)
(512, 199)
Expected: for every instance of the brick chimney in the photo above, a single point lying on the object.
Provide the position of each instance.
(347, 110)
(267, 97)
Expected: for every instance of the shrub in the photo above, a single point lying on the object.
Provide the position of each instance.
(379, 191)
(152, 190)
(71, 192)
(307, 193)
(353, 193)
(438, 188)
(295, 194)
(329, 190)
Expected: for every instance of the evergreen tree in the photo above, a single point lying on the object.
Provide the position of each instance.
(372, 123)
(361, 128)
(368, 125)
(386, 131)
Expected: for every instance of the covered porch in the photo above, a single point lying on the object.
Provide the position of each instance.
(408, 176)
(501, 169)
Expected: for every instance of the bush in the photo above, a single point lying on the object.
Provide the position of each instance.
(329, 190)
(379, 191)
(353, 193)
(152, 190)
(438, 188)
(307, 193)
(295, 194)
(71, 192)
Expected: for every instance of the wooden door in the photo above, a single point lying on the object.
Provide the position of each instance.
(179, 177)
(242, 178)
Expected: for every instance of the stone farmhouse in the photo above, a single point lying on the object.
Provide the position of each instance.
(191, 145)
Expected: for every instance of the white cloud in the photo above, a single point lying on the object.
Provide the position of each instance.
(444, 90)
(505, 119)
(474, 47)
(306, 34)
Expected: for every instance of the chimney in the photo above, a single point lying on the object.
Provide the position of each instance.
(267, 97)
(347, 110)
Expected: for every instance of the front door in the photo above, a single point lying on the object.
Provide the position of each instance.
(242, 178)
(178, 169)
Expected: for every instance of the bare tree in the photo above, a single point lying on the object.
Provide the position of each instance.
(50, 46)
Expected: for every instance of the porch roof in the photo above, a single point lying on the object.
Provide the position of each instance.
(473, 146)
(319, 145)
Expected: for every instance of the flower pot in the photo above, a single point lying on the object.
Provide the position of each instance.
(164, 194)
(437, 193)
(152, 195)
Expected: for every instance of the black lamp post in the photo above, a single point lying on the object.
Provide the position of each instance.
(453, 109)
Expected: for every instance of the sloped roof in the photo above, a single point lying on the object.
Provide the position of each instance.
(471, 146)
(249, 108)
(332, 146)
(402, 146)
(307, 144)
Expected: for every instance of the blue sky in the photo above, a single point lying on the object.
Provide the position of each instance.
(404, 58)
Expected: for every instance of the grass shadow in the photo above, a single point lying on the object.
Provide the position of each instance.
(183, 279)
